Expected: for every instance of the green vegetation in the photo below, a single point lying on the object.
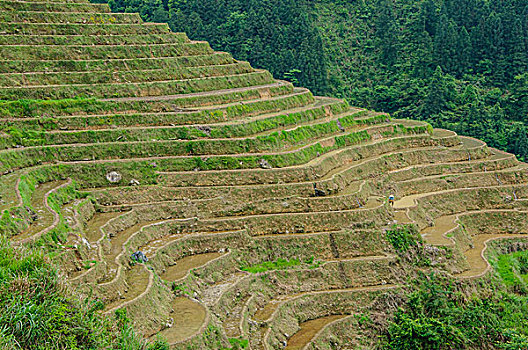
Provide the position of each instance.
(238, 344)
(440, 314)
(280, 264)
(513, 269)
(403, 237)
(459, 65)
(40, 312)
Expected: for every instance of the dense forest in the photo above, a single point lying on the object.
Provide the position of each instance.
(458, 64)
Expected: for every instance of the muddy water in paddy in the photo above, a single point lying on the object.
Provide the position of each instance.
(117, 247)
(137, 279)
(153, 246)
(477, 262)
(265, 313)
(92, 230)
(435, 234)
(402, 218)
(188, 317)
(183, 266)
(45, 217)
(308, 330)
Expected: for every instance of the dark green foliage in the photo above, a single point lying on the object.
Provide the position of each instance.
(402, 237)
(440, 315)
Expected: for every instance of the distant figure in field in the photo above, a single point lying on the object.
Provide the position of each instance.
(318, 192)
(391, 200)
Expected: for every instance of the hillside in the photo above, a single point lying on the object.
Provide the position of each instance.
(460, 65)
(154, 190)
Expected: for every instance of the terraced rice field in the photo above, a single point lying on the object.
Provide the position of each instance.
(133, 138)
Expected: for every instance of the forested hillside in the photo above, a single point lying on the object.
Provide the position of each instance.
(458, 64)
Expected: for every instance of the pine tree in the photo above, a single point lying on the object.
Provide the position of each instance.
(521, 142)
(436, 99)
(386, 33)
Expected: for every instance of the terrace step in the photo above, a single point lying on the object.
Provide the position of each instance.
(252, 146)
(260, 125)
(88, 29)
(78, 40)
(441, 233)
(189, 117)
(308, 330)
(411, 200)
(41, 6)
(314, 170)
(131, 76)
(123, 65)
(511, 175)
(351, 292)
(496, 161)
(45, 218)
(69, 17)
(186, 318)
(157, 88)
(182, 266)
(85, 52)
(137, 282)
(92, 230)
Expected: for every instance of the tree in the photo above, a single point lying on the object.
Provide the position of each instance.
(436, 98)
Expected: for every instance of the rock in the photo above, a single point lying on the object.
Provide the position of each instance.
(85, 242)
(134, 182)
(113, 177)
(170, 323)
(263, 163)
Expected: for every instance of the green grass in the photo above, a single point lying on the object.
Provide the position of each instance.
(513, 269)
(237, 344)
(31, 108)
(92, 52)
(279, 264)
(40, 312)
